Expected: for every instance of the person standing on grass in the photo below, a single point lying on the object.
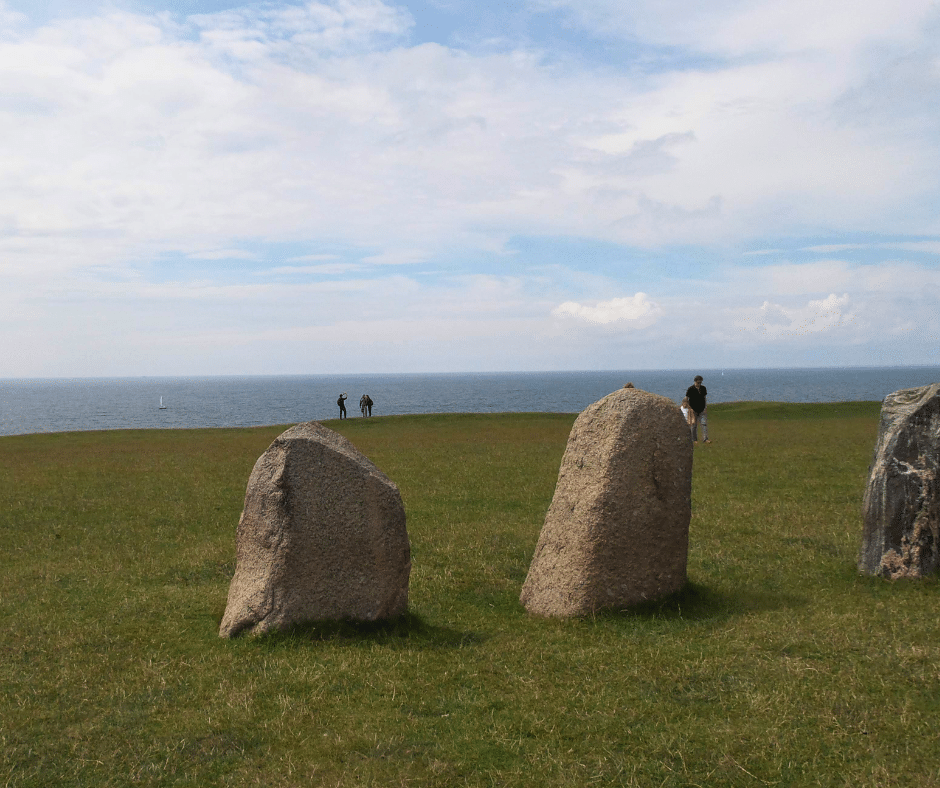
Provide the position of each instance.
(369, 403)
(689, 415)
(362, 405)
(342, 405)
(697, 394)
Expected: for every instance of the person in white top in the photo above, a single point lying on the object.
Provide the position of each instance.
(689, 417)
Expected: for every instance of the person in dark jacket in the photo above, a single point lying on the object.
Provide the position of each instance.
(342, 405)
(697, 394)
(369, 403)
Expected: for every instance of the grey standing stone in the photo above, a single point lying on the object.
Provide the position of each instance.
(901, 508)
(322, 538)
(617, 530)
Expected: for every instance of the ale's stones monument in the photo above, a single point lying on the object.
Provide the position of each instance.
(901, 509)
(322, 538)
(617, 530)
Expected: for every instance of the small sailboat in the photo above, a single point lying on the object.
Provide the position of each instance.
(162, 406)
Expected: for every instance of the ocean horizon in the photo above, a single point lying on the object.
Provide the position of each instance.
(38, 405)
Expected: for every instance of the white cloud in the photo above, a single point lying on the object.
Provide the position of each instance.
(294, 32)
(929, 247)
(322, 269)
(10, 19)
(311, 258)
(398, 257)
(129, 139)
(637, 310)
(819, 276)
(774, 320)
(313, 125)
(223, 254)
(823, 276)
(826, 313)
(831, 248)
(734, 28)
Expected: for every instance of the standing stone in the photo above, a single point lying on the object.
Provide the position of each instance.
(617, 530)
(322, 538)
(901, 509)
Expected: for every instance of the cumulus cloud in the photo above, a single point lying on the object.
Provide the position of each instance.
(773, 321)
(637, 311)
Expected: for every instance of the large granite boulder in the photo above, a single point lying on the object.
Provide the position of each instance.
(322, 538)
(901, 508)
(617, 530)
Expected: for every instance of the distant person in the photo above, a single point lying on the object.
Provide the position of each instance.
(342, 405)
(369, 403)
(689, 415)
(697, 394)
(362, 405)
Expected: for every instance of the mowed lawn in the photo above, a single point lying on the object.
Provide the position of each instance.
(779, 664)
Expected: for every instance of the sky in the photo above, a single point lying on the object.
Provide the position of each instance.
(207, 187)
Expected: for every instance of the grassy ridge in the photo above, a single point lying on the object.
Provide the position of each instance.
(778, 665)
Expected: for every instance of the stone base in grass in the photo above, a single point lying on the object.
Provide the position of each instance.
(617, 531)
(322, 538)
(901, 508)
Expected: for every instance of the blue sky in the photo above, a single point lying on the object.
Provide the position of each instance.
(205, 187)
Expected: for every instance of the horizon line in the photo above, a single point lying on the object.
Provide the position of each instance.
(698, 370)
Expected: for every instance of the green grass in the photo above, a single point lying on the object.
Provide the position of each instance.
(778, 665)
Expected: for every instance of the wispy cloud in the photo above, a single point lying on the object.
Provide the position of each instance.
(223, 254)
(929, 247)
(832, 248)
(311, 258)
(144, 152)
(291, 32)
(398, 257)
(323, 268)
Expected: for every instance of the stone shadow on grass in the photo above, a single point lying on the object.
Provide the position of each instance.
(698, 602)
(406, 630)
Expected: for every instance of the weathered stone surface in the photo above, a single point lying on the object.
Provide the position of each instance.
(901, 509)
(322, 537)
(617, 530)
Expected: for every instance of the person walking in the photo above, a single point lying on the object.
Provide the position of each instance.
(697, 394)
(342, 405)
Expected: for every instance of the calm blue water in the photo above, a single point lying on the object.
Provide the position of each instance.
(64, 405)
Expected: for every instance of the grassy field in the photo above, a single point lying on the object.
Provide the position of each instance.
(778, 665)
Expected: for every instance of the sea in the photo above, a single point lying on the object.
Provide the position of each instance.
(76, 404)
